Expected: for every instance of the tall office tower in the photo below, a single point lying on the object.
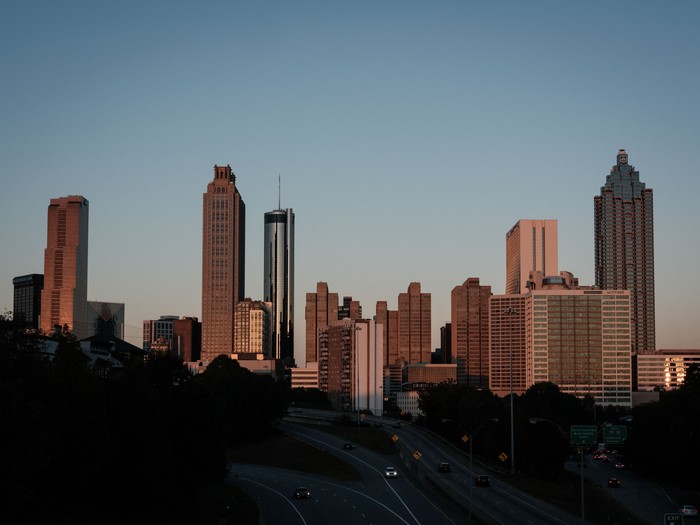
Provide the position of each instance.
(350, 309)
(446, 343)
(106, 319)
(64, 298)
(321, 310)
(470, 332)
(158, 331)
(414, 325)
(27, 300)
(507, 345)
(223, 262)
(624, 246)
(187, 339)
(531, 245)
(252, 332)
(278, 286)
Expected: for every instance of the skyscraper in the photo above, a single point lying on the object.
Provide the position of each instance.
(64, 297)
(531, 245)
(278, 286)
(321, 310)
(624, 247)
(470, 332)
(223, 262)
(27, 299)
(415, 325)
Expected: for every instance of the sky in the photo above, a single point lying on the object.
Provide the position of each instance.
(409, 138)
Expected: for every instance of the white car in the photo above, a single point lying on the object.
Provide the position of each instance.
(390, 472)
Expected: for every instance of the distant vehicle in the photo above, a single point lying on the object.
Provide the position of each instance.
(397, 425)
(445, 467)
(689, 511)
(390, 472)
(302, 493)
(348, 446)
(614, 483)
(619, 465)
(605, 459)
(482, 481)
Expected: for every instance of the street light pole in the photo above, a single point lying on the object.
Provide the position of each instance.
(509, 311)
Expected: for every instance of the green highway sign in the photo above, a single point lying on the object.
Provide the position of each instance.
(673, 518)
(584, 434)
(614, 434)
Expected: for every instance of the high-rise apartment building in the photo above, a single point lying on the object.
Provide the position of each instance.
(278, 285)
(350, 309)
(470, 332)
(624, 246)
(390, 320)
(252, 329)
(531, 245)
(27, 299)
(321, 310)
(507, 345)
(223, 262)
(64, 297)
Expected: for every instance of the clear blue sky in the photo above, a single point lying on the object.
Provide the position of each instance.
(410, 137)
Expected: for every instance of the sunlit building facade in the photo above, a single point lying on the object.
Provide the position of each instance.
(507, 344)
(624, 247)
(470, 332)
(252, 328)
(665, 369)
(321, 310)
(223, 262)
(531, 245)
(64, 297)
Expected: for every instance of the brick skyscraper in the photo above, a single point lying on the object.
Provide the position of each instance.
(278, 285)
(64, 297)
(624, 247)
(531, 245)
(223, 262)
(321, 310)
(470, 332)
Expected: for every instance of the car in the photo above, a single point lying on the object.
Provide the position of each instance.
(390, 472)
(481, 480)
(397, 425)
(614, 483)
(445, 467)
(302, 493)
(348, 446)
(689, 511)
(605, 459)
(619, 465)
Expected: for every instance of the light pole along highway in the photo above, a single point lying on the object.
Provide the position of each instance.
(469, 436)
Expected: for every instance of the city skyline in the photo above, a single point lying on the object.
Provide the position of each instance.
(407, 154)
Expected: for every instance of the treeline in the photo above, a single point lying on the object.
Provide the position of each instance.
(137, 447)
(662, 436)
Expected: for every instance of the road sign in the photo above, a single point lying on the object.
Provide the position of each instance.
(465, 438)
(673, 518)
(584, 434)
(417, 454)
(502, 456)
(614, 434)
(394, 438)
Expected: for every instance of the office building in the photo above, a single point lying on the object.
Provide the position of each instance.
(158, 333)
(350, 309)
(470, 332)
(624, 247)
(252, 333)
(531, 245)
(665, 369)
(507, 346)
(321, 310)
(390, 320)
(306, 377)
(106, 318)
(187, 339)
(223, 262)
(415, 328)
(278, 286)
(27, 299)
(421, 375)
(64, 297)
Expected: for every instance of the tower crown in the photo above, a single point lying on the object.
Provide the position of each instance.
(621, 157)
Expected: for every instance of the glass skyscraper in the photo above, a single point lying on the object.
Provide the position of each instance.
(278, 285)
(624, 247)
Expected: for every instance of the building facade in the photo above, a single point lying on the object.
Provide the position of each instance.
(158, 333)
(390, 320)
(253, 329)
(624, 247)
(106, 318)
(26, 308)
(64, 297)
(531, 245)
(187, 339)
(507, 346)
(278, 285)
(665, 369)
(470, 332)
(321, 310)
(350, 309)
(223, 262)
